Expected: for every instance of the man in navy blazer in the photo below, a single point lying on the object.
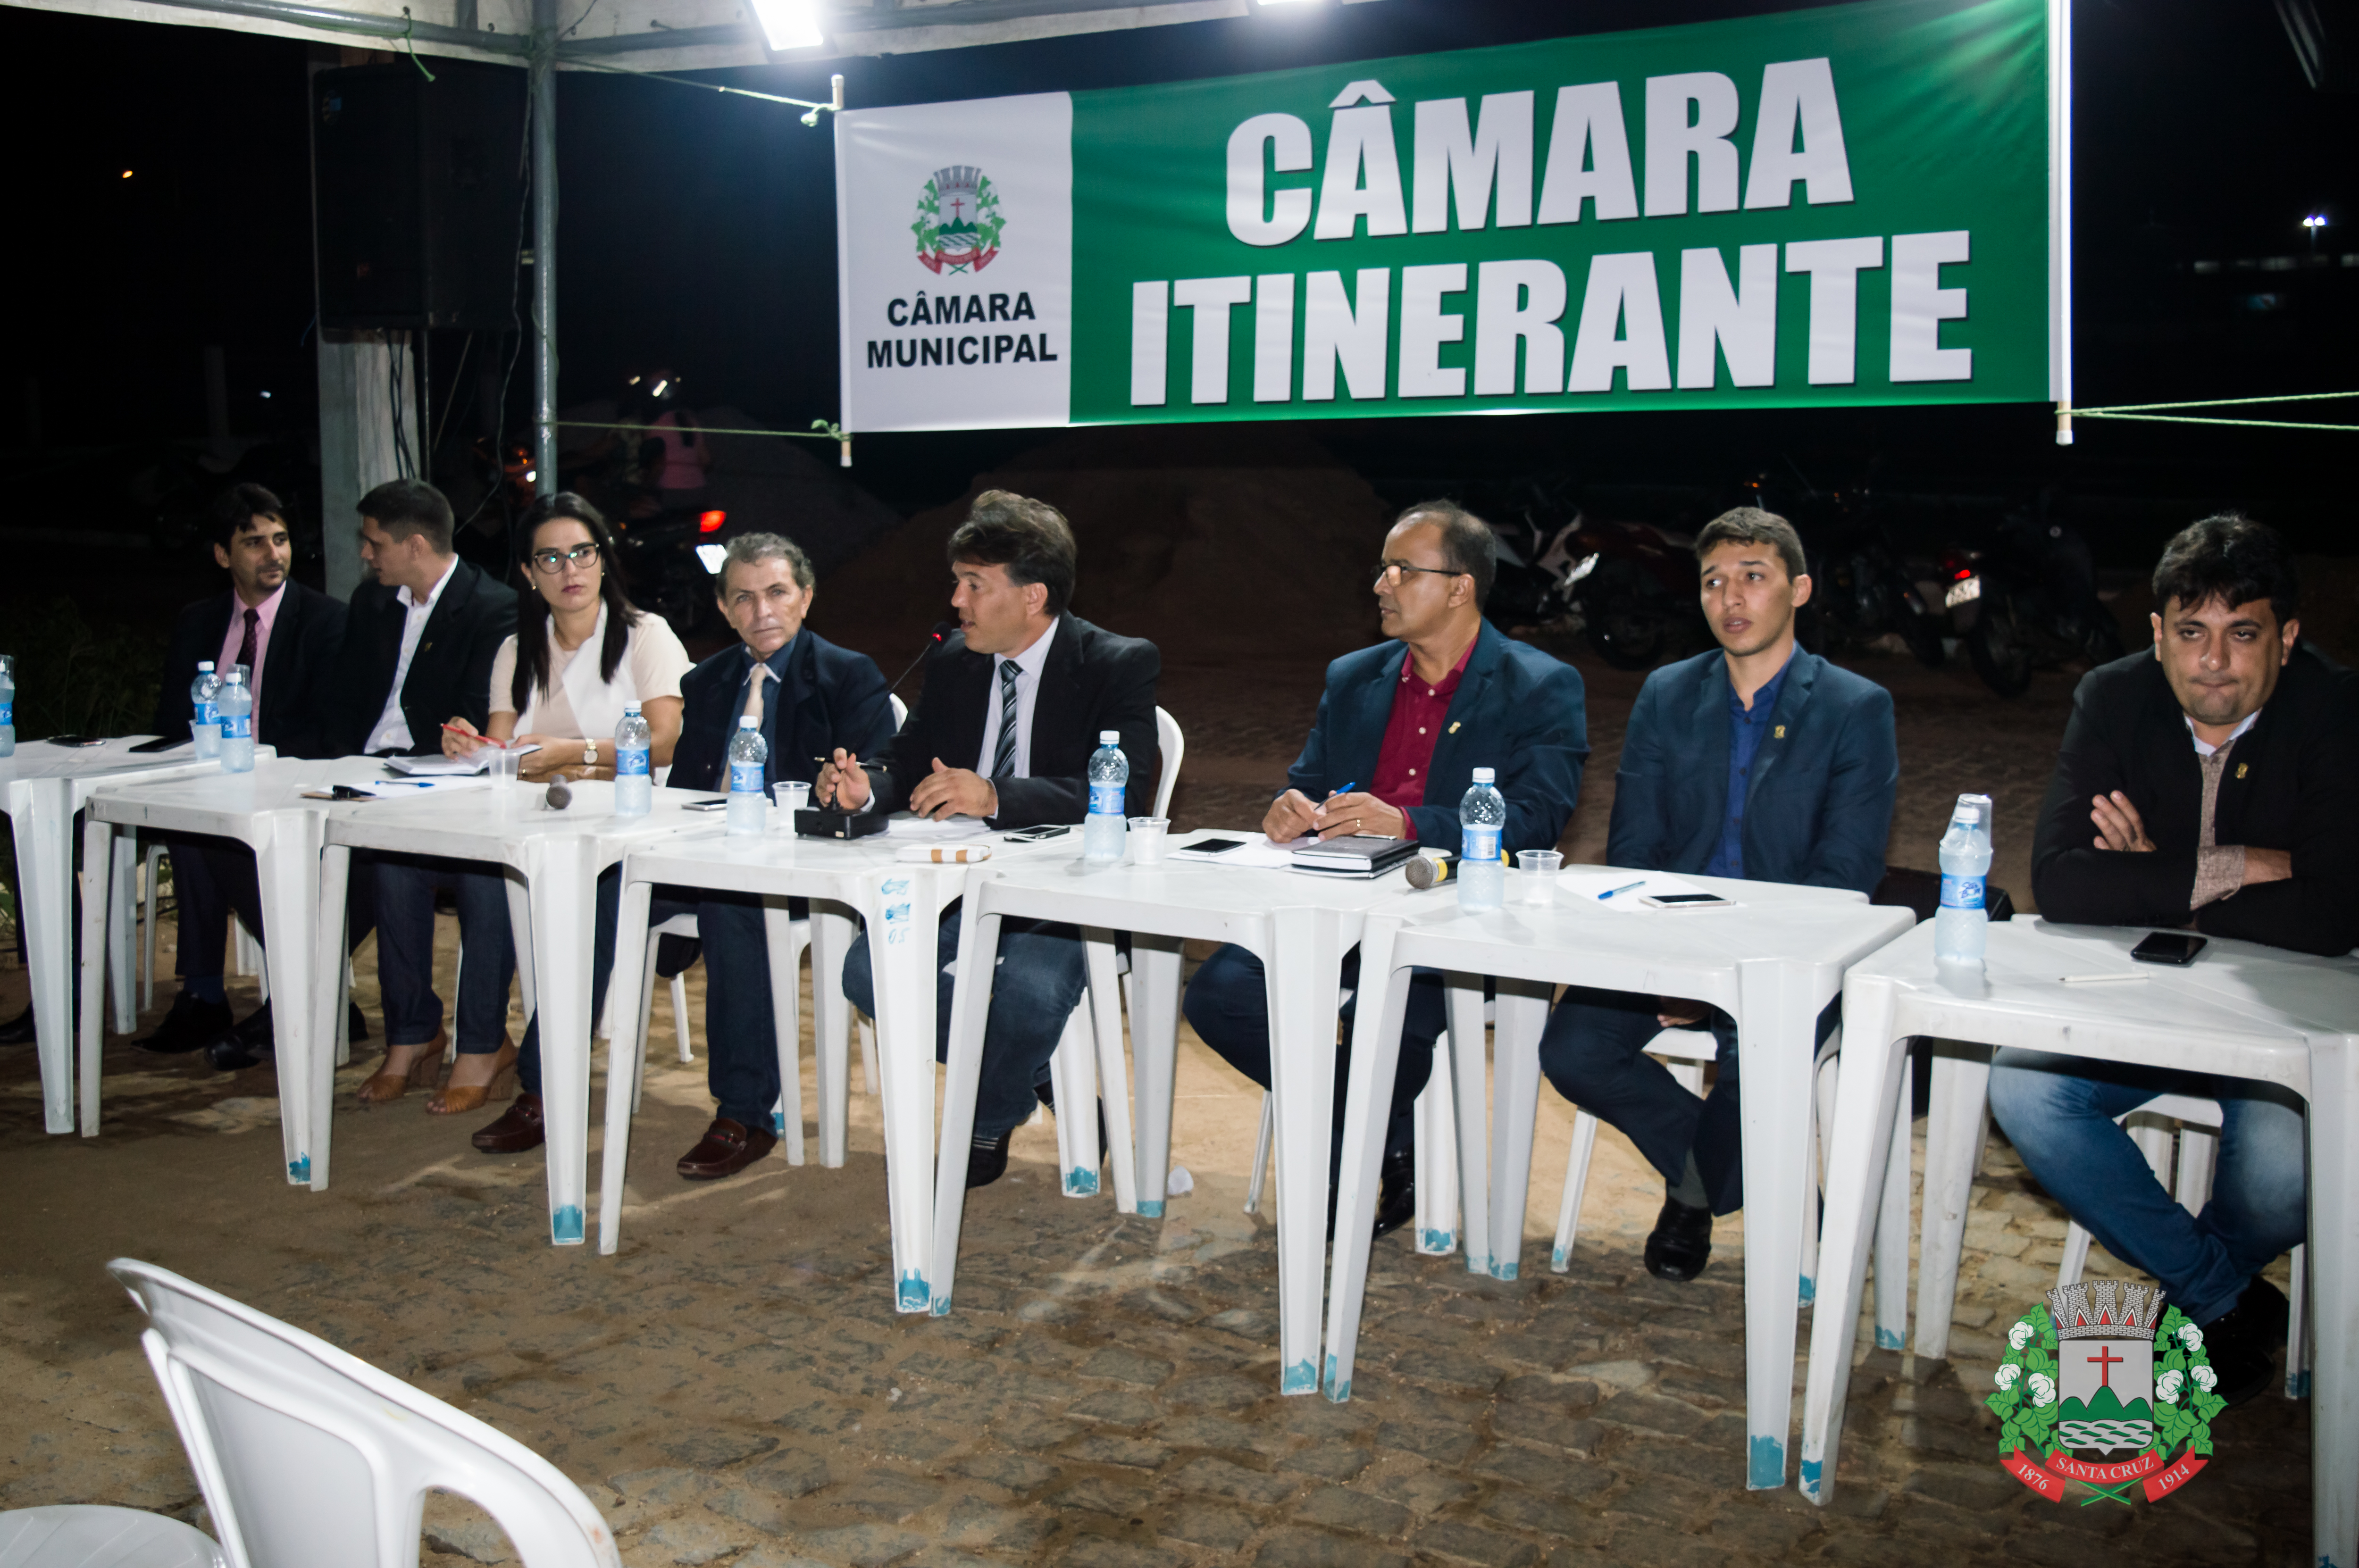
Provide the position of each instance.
(1401, 728)
(287, 635)
(1760, 761)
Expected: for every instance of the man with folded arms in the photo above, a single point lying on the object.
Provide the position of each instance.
(805, 695)
(286, 635)
(1758, 760)
(1013, 706)
(1400, 731)
(2212, 783)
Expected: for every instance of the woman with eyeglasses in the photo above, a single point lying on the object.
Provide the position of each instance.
(580, 652)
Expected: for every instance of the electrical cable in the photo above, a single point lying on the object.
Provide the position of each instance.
(2159, 413)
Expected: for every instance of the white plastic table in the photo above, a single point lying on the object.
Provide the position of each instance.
(842, 877)
(1772, 964)
(2241, 1010)
(266, 811)
(42, 788)
(1298, 924)
(556, 857)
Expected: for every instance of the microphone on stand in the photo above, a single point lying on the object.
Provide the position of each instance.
(934, 639)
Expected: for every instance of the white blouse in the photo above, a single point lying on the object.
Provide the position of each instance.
(580, 706)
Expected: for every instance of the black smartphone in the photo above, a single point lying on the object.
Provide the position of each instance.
(160, 743)
(76, 740)
(2169, 947)
(720, 804)
(1685, 900)
(1215, 846)
(1034, 835)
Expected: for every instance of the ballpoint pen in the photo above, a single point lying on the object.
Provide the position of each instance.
(1625, 887)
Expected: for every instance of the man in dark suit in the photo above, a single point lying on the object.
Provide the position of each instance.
(807, 696)
(1760, 761)
(286, 635)
(2210, 783)
(418, 646)
(1401, 729)
(1012, 711)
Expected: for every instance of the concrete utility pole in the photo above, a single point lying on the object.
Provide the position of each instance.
(544, 243)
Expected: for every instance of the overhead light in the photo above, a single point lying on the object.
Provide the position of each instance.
(789, 24)
(712, 556)
(658, 390)
(126, 174)
(266, 395)
(711, 522)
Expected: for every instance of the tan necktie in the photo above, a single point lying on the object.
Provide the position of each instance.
(754, 689)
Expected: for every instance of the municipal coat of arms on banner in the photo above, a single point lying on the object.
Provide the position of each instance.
(958, 222)
(2104, 1385)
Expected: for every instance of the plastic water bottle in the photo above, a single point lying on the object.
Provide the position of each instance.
(204, 714)
(633, 782)
(748, 801)
(236, 706)
(1105, 830)
(1481, 816)
(1961, 925)
(8, 704)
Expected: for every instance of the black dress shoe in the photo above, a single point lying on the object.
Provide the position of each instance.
(192, 1025)
(2243, 1341)
(355, 1022)
(1396, 1197)
(986, 1159)
(1681, 1241)
(231, 1053)
(18, 1031)
(254, 1031)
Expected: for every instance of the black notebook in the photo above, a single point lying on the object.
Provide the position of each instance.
(1359, 855)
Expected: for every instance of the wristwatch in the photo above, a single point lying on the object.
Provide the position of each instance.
(589, 753)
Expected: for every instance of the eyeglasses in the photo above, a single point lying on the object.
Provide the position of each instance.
(552, 562)
(1392, 571)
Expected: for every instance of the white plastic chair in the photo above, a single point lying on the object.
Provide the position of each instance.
(1073, 1068)
(1685, 1053)
(90, 1536)
(309, 1455)
(2150, 1127)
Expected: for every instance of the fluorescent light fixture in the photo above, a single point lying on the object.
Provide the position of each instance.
(712, 556)
(789, 24)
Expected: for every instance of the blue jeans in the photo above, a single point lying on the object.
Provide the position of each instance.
(405, 885)
(2059, 1112)
(1227, 1004)
(1040, 974)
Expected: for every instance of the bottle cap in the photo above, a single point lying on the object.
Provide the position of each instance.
(1485, 775)
(1109, 737)
(1974, 808)
(634, 707)
(204, 664)
(747, 721)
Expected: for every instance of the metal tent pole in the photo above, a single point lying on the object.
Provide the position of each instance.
(544, 243)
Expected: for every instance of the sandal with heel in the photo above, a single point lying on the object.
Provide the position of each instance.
(425, 1071)
(455, 1100)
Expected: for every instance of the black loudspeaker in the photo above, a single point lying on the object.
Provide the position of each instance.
(417, 191)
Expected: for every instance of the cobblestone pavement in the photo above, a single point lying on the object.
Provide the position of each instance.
(733, 1388)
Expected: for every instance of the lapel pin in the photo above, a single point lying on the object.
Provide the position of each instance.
(2241, 767)
(1455, 722)
(1780, 733)
(426, 647)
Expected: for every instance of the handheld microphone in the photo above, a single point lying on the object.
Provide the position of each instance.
(942, 629)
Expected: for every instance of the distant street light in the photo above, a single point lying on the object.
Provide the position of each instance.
(789, 24)
(2314, 223)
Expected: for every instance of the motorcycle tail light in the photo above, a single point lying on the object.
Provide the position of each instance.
(711, 522)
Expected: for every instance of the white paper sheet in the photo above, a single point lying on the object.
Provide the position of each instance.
(1573, 885)
(924, 830)
(1258, 851)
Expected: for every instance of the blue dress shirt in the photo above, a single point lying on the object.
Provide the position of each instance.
(1746, 726)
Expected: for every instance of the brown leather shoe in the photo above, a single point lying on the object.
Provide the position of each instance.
(517, 1130)
(728, 1147)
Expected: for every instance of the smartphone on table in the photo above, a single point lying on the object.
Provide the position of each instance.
(2177, 948)
(1686, 901)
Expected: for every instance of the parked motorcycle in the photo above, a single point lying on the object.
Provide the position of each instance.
(1861, 593)
(1630, 587)
(2029, 601)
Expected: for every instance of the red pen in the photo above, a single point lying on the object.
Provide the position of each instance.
(473, 735)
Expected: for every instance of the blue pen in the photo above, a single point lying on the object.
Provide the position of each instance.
(1625, 887)
(1345, 790)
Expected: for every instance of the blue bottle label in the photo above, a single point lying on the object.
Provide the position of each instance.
(1106, 800)
(1961, 893)
(745, 778)
(632, 762)
(208, 714)
(7, 711)
(236, 726)
(1478, 844)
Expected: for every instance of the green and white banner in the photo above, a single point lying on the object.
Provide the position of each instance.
(1848, 205)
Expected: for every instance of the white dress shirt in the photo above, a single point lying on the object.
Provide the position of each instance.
(392, 731)
(1030, 663)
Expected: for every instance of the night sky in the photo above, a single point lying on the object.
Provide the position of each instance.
(698, 232)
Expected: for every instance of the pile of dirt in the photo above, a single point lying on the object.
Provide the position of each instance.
(1231, 542)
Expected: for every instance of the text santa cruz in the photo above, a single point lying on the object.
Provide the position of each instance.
(953, 309)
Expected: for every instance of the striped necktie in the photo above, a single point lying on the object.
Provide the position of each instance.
(1003, 756)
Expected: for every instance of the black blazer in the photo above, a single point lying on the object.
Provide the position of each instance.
(299, 673)
(1094, 681)
(451, 674)
(1516, 710)
(1817, 807)
(840, 700)
(2293, 783)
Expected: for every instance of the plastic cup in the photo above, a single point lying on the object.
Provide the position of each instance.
(507, 774)
(1537, 880)
(791, 795)
(1148, 836)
